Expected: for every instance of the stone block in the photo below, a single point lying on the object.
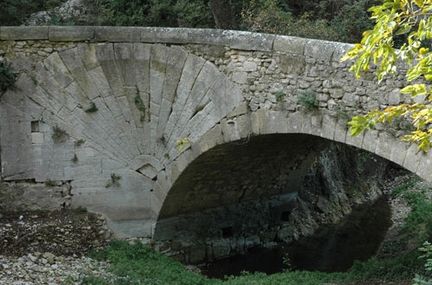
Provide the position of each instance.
(320, 50)
(236, 128)
(288, 44)
(292, 64)
(370, 140)
(412, 158)
(249, 41)
(384, 145)
(37, 138)
(340, 49)
(341, 131)
(398, 151)
(210, 139)
(239, 110)
(425, 166)
(328, 127)
(118, 34)
(24, 33)
(71, 34)
(356, 141)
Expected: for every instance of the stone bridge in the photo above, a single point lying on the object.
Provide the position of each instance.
(140, 124)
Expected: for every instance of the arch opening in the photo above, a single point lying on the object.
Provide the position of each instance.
(293, 199)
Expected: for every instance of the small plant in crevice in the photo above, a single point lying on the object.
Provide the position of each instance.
(140, 106)
(114, 181)
(162, 140)
(79, 142)
(50, 183)
(59, 135)
(7, 76)
(280, 96)
(307, 99)
(92, 109)
(74, 158)
(182, 144)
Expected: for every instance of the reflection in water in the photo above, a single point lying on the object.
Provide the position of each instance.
(332, 248)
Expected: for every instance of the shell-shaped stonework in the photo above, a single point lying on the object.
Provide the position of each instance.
(121, 109)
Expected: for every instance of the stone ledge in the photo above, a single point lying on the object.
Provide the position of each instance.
(24, 33)
(233, 39)
(71, 34)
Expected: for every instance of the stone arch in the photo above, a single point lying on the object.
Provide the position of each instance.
(241, 124)
(107, 118)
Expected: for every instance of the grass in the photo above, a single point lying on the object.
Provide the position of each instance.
(139, 264)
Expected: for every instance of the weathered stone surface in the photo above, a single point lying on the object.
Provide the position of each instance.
(107, 105)
(290, 45)
(23, 33)
(71, 34)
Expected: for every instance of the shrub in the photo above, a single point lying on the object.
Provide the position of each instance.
(7, 76)
(308, 100)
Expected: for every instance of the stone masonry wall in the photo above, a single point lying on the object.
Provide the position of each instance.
(118, 113)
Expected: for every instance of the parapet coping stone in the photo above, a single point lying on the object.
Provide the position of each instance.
(240, 40)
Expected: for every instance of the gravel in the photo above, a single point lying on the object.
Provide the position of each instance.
(41, 247)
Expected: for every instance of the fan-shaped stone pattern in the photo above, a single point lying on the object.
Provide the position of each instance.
(109, 117)
(104, 107)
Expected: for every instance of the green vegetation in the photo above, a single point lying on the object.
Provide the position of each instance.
(15, 12)
(407, 23)
(114, 181)
(140, 106)
(50, 183)
(139, 264)
(92, 109)
(307, 99)
(7, 76)
(280, 96)
(74, 158)
(79, 142)
(59, 135)
(341, 20)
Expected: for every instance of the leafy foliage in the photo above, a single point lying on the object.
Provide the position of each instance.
(15, 12)
(412, 20)
(427, 254)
